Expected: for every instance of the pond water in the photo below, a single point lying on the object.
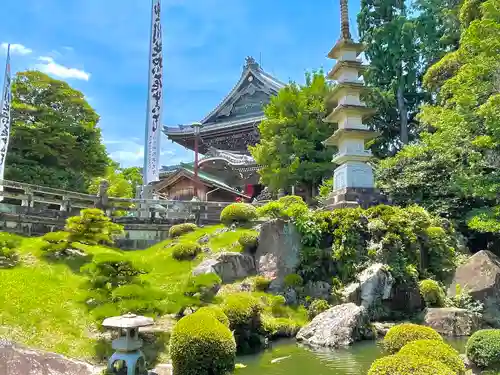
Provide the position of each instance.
(292, 359)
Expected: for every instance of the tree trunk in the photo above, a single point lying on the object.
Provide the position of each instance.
(403, 113)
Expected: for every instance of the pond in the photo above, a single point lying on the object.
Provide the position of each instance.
(288, 358)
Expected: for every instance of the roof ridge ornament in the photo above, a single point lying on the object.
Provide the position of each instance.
(251, 63)
(344, 20)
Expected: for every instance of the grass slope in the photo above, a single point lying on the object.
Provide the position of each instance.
(41, 302)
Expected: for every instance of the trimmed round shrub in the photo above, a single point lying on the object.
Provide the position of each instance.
(216, 312)
(408, 365)
(288, 200)
(248, 241)
(186, 250)
(200, 344)
(238, 213)
(204, 286)
(317, 307)
(261, 283)
(400, 335)
(432, 293)
(483, 348)
(180, 229)
(293, 280)
(436, 350)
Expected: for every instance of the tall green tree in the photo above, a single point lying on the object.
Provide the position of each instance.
(290, 149)
(55, 139)
(455, 169)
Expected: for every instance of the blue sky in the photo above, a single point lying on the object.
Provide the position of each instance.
(101, 48)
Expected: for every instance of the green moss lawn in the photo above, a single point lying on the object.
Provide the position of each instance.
(42, 301)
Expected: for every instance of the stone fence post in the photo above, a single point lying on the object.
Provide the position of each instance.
(103, 201)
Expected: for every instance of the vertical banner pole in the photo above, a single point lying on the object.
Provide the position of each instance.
(5, 105)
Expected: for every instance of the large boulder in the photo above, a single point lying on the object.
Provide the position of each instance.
(17, 360)
(229, 266)
(451, 321)
(373, 286)
(278, 252)
(480, 277)
(337, 327)
(318, 289)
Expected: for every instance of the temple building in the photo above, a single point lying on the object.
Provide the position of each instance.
(226, 170)
(353, 181)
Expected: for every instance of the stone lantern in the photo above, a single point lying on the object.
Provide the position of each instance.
(128, 358)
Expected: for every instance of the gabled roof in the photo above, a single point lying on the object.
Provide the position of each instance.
(187, 171)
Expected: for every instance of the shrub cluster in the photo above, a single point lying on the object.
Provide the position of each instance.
(279, 327)
(408, 365)
(201, 345)
(317, 307)
(483, 348)
(180, 229)
(203, 287)
(400, 335)
(249, 242)
(240, 213)
(293, 280)
(55, 242)
(186, 250)
(8, 255)
(92, 227)
(261, 283)
(432, 293)
(287, 207)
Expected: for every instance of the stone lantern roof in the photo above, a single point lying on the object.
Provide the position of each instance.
(128, 321)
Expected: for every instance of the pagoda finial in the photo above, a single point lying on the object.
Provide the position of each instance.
(250, 62)
(344, 20)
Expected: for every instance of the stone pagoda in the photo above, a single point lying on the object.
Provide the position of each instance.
(353, 181)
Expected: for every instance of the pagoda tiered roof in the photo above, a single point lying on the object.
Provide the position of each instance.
(233, 122)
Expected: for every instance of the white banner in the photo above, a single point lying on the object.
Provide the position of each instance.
(151, 171)
(5, 116)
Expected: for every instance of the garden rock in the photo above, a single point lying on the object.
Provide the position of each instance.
(163, 369)
(382, 327)
(17, 360)
(451, 321)
(278, 252)
(337, 327)
(204, 239)
(291, 296)
(374, 286)
(228, 266)
(480, 277)
(318, 290)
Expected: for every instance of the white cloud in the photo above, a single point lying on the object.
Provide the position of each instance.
(130, 152)
(17, 49)
(127, 157)
(49, 66)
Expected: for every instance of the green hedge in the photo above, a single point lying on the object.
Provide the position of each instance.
(317, 307)
(400, 335)
(432, 293)
(293, 280)
(201, 345)
(180, 229)
(216, 312)
(483, 348)
(238, 213)
(436, 350)
(261, 283)
(408, 365)
(186, 250)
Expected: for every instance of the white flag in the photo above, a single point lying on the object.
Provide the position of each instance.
(151, 170)
(5, 115)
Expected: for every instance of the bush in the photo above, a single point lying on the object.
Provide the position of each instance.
(261, 283)
(238, 213)
(288, 200)
(400, 335)
(180, 229)
(204, 286)
(56, 242)
(243, 311)
(287, 207)
(483, 348)
(201, 345)
(436, 350)
(293, 281)
(408, 365)
(248, 241)
(432, 293)
(279, 327)
(186, 251)
(92, 227)
(216, 312)
(8, 255)
(317, 307)
(271, 209)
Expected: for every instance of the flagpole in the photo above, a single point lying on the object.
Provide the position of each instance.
(5, 104)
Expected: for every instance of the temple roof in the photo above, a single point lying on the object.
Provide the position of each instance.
(242, 106)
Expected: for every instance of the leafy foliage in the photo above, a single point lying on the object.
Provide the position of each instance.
(317, 307)
(293, 280)
(432, 293)
(290, 149)
(216, 312)
(408, 365)
(186, 250)
(402, 334)
(201, 345)
(249, 242)
(238, 213)
(8, 254)
(261, 283)
(55, 139)
(56, 242)
(287, 207)
(463, 300)
(92, 227)
(203, 287)
(180, 229)
(483, 348)
(436, 350)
